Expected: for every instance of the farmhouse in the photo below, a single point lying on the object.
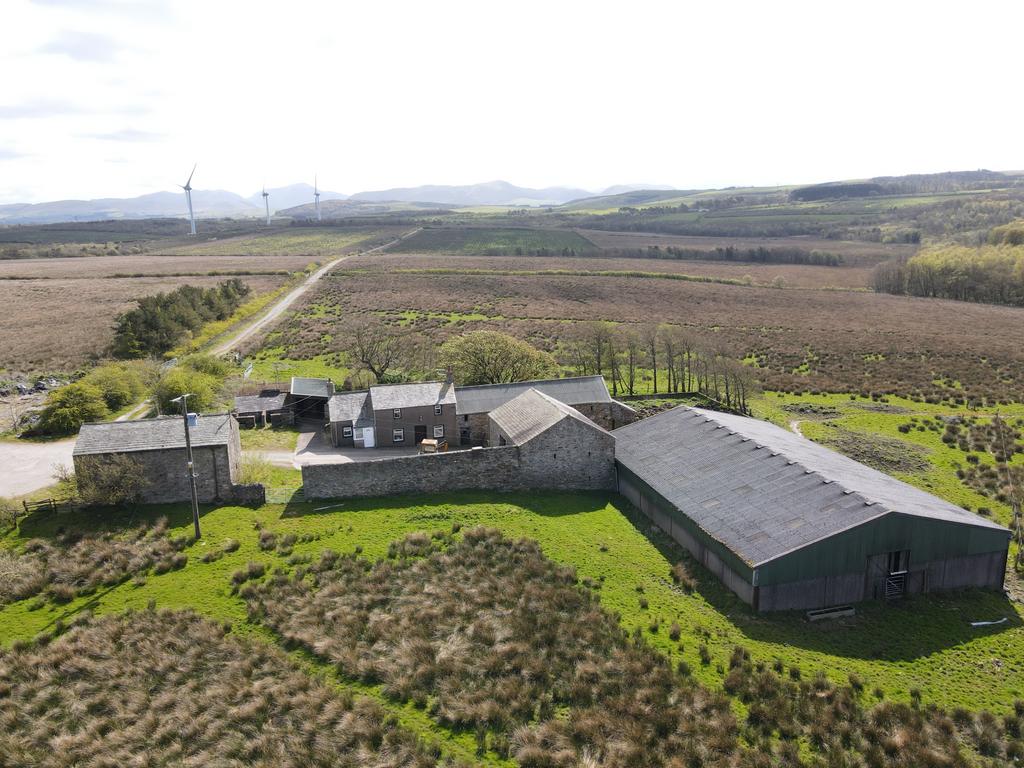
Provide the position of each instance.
(537, 443)
(392, 415)
(158, 446)
(789, 524)
(406, 414)
(587, 394)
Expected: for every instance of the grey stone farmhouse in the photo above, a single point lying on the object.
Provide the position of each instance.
(158, 447)
(397, 415)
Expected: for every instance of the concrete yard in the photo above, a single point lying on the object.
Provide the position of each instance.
(27, 467)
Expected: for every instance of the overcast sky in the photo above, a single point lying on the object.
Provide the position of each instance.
(117, 98)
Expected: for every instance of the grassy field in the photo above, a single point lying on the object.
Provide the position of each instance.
(494, 241)
(925, 643)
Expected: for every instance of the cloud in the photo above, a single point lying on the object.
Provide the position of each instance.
(10, 154)
(83, 46)
(124, 135)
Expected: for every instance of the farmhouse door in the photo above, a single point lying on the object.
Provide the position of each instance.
(421, 433)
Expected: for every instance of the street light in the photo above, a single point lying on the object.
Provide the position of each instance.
(190, 467)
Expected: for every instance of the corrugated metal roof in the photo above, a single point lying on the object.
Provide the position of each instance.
(390, 396)
(531, 413)
(349, 406)
(260, 403)
(305, 387)
(763, 491)
(484, 398)
(152, 434)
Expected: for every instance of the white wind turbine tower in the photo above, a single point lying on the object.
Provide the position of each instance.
(188, 199)
(316, 199)
(266, 203)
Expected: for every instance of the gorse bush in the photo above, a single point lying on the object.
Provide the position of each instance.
(71, 406)
(181, 691)
(160, 322)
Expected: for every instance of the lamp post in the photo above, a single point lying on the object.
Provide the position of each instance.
(189, 464)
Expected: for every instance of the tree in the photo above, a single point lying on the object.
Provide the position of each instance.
(376, 347)
(649, 336)
(69, 407)
(490, 357)
(181, 380)
(119, 384)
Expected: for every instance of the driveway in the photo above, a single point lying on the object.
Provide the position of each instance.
(312, 448)
(26, 467)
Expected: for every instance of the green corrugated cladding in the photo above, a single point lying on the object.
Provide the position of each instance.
(847, 551)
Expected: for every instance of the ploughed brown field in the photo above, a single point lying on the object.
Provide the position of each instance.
(145, 264)
(799, 339)
(59, 324)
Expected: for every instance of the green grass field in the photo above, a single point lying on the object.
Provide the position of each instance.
(922, 642)
(498, 241)
(290, 242)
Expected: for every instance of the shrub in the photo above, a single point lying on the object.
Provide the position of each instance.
(181, 380)
(120, 384)
(681, 575)
(71, 406)
(111, 479)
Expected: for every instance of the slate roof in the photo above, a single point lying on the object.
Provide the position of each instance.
(351, 406)
(484, 398)
(260, 403)
(532, 413)
(761, 490)
(386, 397)
(305, 387)
(152, 434)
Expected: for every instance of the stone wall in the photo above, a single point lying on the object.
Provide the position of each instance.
(563, 458)
(418, 416)
(608, 415)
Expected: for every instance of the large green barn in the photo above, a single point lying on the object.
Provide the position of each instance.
(787, 523)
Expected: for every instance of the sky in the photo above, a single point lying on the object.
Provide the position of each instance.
(116, 98)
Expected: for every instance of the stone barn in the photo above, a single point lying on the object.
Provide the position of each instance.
(587, 394)
(537, 443)
(786, 523)
(158, 446)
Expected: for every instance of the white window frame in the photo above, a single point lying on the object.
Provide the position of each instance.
(438, 431)
(437, 410)
(398, 435)
(346, 431)
(396, 413)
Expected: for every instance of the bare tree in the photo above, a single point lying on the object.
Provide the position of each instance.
(374, 346)
(649, 336)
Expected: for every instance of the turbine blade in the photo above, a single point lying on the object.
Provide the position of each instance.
(189, 182)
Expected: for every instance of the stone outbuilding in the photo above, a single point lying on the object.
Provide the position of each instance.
(158, 446)
(787, 523)
(587, 394)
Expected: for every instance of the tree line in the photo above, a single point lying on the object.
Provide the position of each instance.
(758, 255)
(161, 322)
(989, 274)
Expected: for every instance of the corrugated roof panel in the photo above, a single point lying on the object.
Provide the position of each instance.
(576, 390)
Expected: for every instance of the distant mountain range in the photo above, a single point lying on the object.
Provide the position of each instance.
(221, 203)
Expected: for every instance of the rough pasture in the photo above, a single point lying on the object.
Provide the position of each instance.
(793, 275)
(316, 243)
(854, 252)
(136, 265)
(494, 241)
(839, 341)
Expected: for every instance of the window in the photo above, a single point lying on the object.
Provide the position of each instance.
(439, 430)
(398, 435)
(466, 417)
(346, 431)
(397, 413)
(437, 410)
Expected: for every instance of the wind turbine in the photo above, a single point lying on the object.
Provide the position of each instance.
(316, 199)
(188, 199)
(266, 203)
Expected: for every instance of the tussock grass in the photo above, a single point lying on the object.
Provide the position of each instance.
(74, 564)
(164, 688)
